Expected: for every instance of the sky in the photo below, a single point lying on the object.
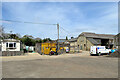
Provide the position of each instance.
(73, 18)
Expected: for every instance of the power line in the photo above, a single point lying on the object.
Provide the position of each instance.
(27, 22)
(66, 31)
(37, 23)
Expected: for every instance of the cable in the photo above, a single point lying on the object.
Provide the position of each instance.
(38, 23)
(66, 31)
(27, 22)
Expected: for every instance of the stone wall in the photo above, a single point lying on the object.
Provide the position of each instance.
(73, 46)
(88, 45)
(84, 44)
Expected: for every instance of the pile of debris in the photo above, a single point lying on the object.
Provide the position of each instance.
(115, 54)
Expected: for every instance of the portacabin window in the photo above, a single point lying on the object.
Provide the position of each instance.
(14, 44)
(7, 45)
(11, 45)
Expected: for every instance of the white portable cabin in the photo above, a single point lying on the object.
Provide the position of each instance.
(10, 45)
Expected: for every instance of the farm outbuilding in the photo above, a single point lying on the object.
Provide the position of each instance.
(73, 45)
(86, 39)
(64, 43)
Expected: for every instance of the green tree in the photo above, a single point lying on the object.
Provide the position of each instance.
(28, 36)
(1, 31)
(46, 39)
(66, 38)
(28, 40)
(13, 36)
(38, 40)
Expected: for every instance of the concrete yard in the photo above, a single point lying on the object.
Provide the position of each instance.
(79, 65)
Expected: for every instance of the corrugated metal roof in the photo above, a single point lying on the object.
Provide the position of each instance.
(94, 35)
(94, 41)
(73, 39)
(61, 40)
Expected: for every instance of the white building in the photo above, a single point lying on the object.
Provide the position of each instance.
(10, 45)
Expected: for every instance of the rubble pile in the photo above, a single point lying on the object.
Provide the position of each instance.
(115, 54)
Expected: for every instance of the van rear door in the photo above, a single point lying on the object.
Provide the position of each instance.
(93, 49)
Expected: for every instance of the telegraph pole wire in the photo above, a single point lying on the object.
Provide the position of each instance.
(66, 31)
(39, 23)
(27, 22)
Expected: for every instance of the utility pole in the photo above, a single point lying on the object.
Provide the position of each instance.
(58, 37)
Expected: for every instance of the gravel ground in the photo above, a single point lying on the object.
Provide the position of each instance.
(62, 66)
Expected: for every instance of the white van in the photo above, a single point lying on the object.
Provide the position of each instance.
(99, 50)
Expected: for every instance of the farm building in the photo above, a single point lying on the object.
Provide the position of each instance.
(73, 45)
(86, 40)
(64, 43)
(10, 47)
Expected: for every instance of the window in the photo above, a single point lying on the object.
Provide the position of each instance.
(14, 44)
(7, 45)
(81, 47)
(84, 45)
(11, 45)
